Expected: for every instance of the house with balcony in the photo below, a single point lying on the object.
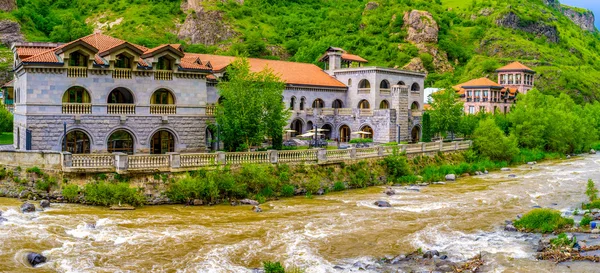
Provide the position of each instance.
(485, 95)
(101, 94)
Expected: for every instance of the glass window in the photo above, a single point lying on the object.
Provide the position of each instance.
(471, 109)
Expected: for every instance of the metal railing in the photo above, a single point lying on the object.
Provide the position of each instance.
(120, 108)
(77, 108)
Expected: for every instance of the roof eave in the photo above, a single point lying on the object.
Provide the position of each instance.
(516, 70)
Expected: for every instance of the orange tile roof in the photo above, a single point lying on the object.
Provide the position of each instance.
(515, 66)
(48, 56)
(152, 50)
(353, 58)
(9, 84)
(481, 82)
(427, 106)
(28, 51)
(289, 72)
(195, 64)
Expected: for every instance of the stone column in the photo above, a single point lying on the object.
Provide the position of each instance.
(121, 162)
(274, 156)
(175, 160)
(67, 160)
(321, 156)
(221, 158)
(380, 151)
(353, 153)
(399, 102)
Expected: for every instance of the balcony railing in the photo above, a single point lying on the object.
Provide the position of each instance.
(121, 73)
(385, 91)
(364, 90)
(77, 108)
(416, 113)
(345, 111)
(366, 112)
(120, 108)
(163, 109)
(163, 75)
(77, 72)
(327, 111)
(210, 110)
(310, 111)
(469, 99)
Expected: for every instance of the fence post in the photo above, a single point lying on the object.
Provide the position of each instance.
(121, 162)
(441, 146)
(456, 146)
(321, 156)
(221, 158)
(380, 151)
(353, 153)
(403, 148)
(274, 156)
(67, 160)
(423, 147)
(174, 160)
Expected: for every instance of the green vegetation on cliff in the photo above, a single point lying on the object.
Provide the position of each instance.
(477, 36)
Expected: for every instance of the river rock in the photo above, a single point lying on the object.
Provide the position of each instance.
(512, 175)
(450, 177)
(383, 204)
(35, 258)
(568, 156)
(256, 209)
(360, 265)
(321, 191)
(389, 191)
(543, 244)
(510, 228)
(45, 204)
(413, 188)
(197, 202)
(531, 163)
(337, 267)
(27, 207)
(505, 169)
(249, 202)
(592, 152)
(439, 183)
(443, 257)
(485, 172)
(90, 225)
(595, 231)
(430, 254)
(2, 219)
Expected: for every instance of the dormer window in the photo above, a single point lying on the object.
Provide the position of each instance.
(122, 61)
(77, 59)
(164, 64)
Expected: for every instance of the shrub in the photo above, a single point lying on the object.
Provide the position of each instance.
(591, 191)
(106, 194)
(46, 184)
(288, 191)
(491, 142)
(361, 140)
(543, 220)
(271, 267)
(70, 192)
(313, 184)
(396, 166)
(585, 221)
(592, 205)
(35, 170)
(339, 186)
(563, 241)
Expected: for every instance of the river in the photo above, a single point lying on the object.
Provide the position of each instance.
(460, 219)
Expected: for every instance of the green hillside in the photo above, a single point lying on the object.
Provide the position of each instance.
(564, 55)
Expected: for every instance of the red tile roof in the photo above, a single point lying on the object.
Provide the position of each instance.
(194, 64)
(515, 66)
(481, 82)
(353, 58)
(289, 72)
(27, 51)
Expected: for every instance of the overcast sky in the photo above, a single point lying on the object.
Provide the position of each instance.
(593, 5)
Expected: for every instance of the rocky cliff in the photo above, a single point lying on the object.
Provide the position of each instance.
(10, 32)
(538, 28)
(423, 32)
(204, 26)
(8, 5)
(583, 18)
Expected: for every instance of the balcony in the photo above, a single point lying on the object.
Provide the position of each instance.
(211, 110)
(385, 92)
(77, 108)
(120, 109)
(77, 72)
(121, 73)
(310, 111)
(416, 113)
(469, 99)
(366, 112)
(327, 111)
(163, 75)
(163, 109)
(345, 111)
(364, 90)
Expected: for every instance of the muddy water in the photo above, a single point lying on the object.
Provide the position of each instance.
(460, 219)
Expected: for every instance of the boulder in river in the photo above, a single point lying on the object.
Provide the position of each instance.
(430, 254)
(249, 202)
(512, 175)
(256, 209)
(592, 152)
(27, 207)
(505, 169)
(531, 163)
(197, 202)
(439, 183)
(90, 225)
(35, 258)
(383, 204)
(389, 191)
(45, 204)
(510, 228)
(321, 191)
(2, 219)
(485, 172)
(450, 177)
(568, 156)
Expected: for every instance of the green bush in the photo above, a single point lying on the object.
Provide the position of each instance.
(271, 267)
(396, 166)
(70, 192)
(106, 194)
(46, 184)
(361, 140)
(491, 142)
(543, 220)
(359, 175)
(35, 170)
(208, 186)
(288, 191)
(592, 205)
(591, 191)
(585, 221)
(339, 186)
(563, 241)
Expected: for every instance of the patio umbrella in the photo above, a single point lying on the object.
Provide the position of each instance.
(361, 133)
(310, 134)
(290, 131)
(319, 130)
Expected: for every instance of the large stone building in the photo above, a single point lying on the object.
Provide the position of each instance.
(485, 95)
(108, 95)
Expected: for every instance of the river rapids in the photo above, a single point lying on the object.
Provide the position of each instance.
(460, 219)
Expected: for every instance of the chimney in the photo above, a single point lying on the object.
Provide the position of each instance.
(335, 60)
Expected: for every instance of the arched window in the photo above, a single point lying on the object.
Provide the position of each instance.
(164, 63)
(384, 84)
(349, 82)
(384, 104)
(401, 83)
(120, 141)
(120, 95)
(293, 103)
(337, 104)
(309, 125)
(326, 131)
(162, 142)
(368, 132)
(162, 96)
(77, 142)
(76, 94)
(302, 103)
(77, 59)
(297, 127)
(318, 104)
(414, 106)
(364, 104)
(364, 84)
(122, 61)
(415, 87)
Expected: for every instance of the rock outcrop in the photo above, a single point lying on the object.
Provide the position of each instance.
(10, 32)
(440, 58)
(553, 3)
(512, 20)
(8, 5)
(421, 27)
(203, 26)
(416, 64)
(585, 20)
(371, 6)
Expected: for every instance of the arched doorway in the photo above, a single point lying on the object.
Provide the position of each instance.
(367, 129)
(211, 140)
(364, 104)
(318, 104)
(337, 104)
(296, 126)
(162, 142)
(120, 95)
(344, 133)
(309, 125)
(328, 132)
(384, 104)
(77, 142)
(415, 134)
(120, 141)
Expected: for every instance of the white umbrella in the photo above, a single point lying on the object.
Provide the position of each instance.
(361, 133)
(319, 130)
(310, 134)
(290, 131)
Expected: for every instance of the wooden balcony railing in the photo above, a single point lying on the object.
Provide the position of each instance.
(120, 108)
(163, 109)
(77, 108)
(364, 90)
(121, 73)
(163, 75)
(385, 91)
(77, 72)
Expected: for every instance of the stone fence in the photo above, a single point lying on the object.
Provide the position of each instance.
(176, 162)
